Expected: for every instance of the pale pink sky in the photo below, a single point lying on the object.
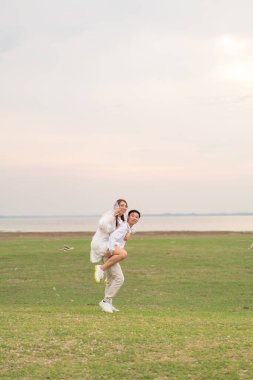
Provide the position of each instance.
(149, 101)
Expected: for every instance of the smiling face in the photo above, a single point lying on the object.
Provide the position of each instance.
(122, 207)
(133, 218)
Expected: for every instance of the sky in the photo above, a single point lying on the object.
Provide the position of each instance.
(150, 101)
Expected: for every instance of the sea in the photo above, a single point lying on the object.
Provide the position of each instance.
(175, 222)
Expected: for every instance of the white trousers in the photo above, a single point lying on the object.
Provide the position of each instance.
(115, 279)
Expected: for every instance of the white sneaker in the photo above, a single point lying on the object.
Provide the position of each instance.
(114, 308)
(99, 273)
(106, 306)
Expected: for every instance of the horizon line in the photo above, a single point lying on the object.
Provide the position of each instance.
(143, 215)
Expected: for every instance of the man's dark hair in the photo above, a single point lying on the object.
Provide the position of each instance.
(137, 212)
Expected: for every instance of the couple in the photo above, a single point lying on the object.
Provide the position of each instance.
(107, 246)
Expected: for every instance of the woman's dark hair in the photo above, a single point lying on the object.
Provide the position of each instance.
(122, 216)
(132, 211)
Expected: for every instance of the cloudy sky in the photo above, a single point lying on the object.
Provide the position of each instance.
(147, 100)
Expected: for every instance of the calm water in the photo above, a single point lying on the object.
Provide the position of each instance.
(146, 223)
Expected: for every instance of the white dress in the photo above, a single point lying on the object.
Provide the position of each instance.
(99, 242)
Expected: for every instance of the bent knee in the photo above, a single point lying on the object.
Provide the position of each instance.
(118, 278)
(120, 252)
(121, 279)
(124, 254)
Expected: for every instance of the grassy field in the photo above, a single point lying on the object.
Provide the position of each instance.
(186, 309)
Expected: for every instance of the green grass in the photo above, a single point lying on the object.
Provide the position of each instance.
(186, 310)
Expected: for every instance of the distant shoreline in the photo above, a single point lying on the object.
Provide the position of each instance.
(89, 234)
(143, 215)
(165, 223)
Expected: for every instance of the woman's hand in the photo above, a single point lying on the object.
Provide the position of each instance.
(117, 211)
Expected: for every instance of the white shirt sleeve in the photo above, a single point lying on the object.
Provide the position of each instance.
(117, 236)
(132, 230)
(107, 223)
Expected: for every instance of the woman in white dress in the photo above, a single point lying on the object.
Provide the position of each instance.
(107, 224)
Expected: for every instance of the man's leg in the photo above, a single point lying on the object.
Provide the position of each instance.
(115, 279)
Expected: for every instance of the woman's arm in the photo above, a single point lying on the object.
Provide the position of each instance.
(107, 223)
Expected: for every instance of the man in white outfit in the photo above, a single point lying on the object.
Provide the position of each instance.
(113, 256)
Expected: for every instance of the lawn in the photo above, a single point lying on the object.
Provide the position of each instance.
(185, 309)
